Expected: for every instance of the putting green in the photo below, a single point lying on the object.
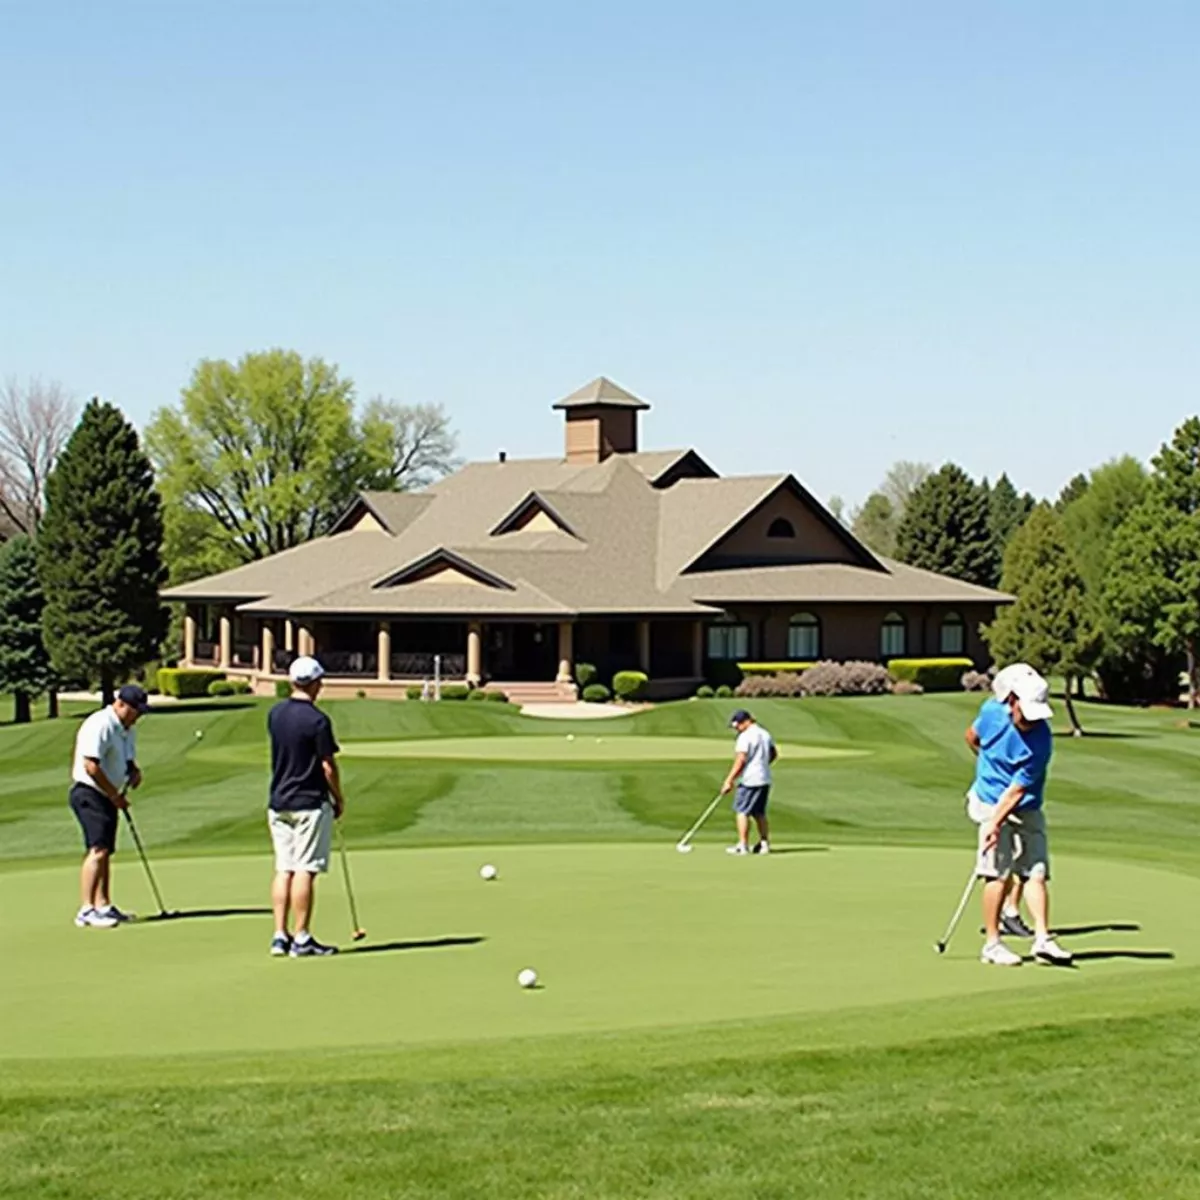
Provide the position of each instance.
(581, 747)
(624, 937)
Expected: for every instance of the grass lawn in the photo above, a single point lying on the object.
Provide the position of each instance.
(708, 1027)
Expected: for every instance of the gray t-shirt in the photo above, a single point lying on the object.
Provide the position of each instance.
(756, 744)
(104, 738)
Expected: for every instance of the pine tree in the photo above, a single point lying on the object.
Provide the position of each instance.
(24, 664)
(946, 528)
(1047, 626)
(99, 553)
(1008, 510)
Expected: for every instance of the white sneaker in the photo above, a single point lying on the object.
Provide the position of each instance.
(81, 917)
(738, 849)
(997, 954)
(1047, 950)
(98, 920)
(762, 848)
(120, 917)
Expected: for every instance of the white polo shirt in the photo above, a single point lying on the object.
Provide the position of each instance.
(756, 744)
(104, 738)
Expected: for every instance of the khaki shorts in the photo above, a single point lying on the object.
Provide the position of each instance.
(302, 839)
(1021, 849)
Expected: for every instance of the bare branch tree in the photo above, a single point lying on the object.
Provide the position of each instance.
(409, 445)
(36, 419)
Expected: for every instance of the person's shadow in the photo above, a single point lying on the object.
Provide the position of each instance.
(415, 944)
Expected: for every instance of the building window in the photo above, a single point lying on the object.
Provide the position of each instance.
(954, 634)
(804, 638)
(893, 638)
(781, 527)
(728, 641)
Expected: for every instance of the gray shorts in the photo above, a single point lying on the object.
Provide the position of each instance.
(1022, 848)
(751, 801)
(302, 840)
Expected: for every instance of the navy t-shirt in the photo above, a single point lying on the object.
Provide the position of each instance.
(301, 738)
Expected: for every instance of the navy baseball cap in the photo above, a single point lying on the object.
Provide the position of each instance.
(740, 716)
(135, 697)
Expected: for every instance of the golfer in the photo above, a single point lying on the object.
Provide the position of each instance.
(1011, 921)
(105, 764)
(306, 798)
(1013, 744)
(754, 752)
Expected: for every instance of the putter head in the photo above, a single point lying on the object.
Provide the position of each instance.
(358, 935)
(684, 847)
(941, 947)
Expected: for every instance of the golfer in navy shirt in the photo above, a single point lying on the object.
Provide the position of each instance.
(306, 798)
(1014, 744)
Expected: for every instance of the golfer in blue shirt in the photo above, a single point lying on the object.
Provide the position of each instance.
(1013, 743)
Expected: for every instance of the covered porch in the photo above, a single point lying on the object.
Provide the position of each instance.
(402, 651)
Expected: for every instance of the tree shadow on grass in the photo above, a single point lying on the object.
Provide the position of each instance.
(190, 914)
(415, 944)
(1112, 927)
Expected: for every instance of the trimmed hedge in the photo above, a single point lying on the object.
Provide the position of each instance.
(774, 668)
(630, 685)
(229, 687)
(704, 692)
(724, 692)
(596, 693)
(933, 674)
(455, 691)
(477, 694)
(283, 689)
(187, 683)
(585, 675)
(414, 691)
(496, 697)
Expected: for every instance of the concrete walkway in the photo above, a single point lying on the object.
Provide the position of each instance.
(581, 711)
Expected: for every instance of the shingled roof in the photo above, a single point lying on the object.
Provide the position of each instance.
(624, 536)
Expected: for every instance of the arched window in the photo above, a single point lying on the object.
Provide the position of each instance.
(804, 638)
(728, 640)
(893, 637)
(954, 634)
(781, 527)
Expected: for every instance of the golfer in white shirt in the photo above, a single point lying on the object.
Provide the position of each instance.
(751, 775)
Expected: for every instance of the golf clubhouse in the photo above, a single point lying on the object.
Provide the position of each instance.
(512, 571)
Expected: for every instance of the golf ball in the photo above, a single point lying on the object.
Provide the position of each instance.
(488, 872)
(199, 734)
(527, 978)
(570, 737)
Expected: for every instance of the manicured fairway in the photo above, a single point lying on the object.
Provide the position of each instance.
(624, 937)
(587, 747)
(709, 1028)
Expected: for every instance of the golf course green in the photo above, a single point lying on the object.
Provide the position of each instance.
(704, 1026)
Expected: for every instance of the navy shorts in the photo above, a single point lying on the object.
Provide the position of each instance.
(751, 801)
(97, 817)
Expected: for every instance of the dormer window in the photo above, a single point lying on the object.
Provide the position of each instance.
(781, 527)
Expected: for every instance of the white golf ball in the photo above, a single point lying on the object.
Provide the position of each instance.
(527, 978)
(570, 737)
(199, 734)
(488, 872)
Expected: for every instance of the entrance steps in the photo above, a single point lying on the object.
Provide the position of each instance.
(536, 693)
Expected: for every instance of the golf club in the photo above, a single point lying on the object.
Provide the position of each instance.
(358, 933)
(958, 912)
(137, 841)
(684, 843)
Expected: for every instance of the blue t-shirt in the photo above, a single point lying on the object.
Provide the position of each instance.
(301, 738)
(1009, 755)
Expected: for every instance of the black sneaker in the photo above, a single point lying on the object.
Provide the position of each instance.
(280, 945)
(311, 949)
(1014, 926)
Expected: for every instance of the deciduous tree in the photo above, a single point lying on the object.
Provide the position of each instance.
(35, 421)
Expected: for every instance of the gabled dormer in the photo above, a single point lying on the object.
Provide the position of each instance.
(534, 514)
(443, 566)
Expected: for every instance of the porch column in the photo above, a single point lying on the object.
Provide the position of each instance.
(189, 639)
(225, 656)
(566, 652)
(474, 654)
(643, 635)
(305, 643)
(698, 649)
(289, 635)
(267, 661)
(384, 651)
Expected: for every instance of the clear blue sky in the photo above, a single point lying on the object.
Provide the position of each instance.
(817, 237)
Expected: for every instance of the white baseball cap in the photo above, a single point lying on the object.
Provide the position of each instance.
(1002, 685)
(1033, 696)
(305, 670)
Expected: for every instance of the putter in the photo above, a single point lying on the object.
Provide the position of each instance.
(958, 912)
(684, 845)
(137, 841)
(358, 933)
